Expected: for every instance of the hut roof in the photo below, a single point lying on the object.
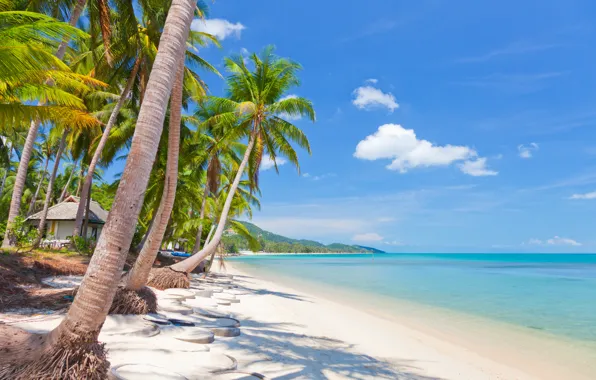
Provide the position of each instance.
(67, 210)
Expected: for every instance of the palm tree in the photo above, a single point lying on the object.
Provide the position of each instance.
(46, 205)
(71, 350)
(256, 106)
(140, 48)
(137, 276)
(26, 67)
(47, 150)
(220, 145)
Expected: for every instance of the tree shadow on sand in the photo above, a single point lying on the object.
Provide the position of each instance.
(250, 288)
(287, 355)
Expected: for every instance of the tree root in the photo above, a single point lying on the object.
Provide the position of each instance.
(67, 358)
(127, 301)
(166, 278)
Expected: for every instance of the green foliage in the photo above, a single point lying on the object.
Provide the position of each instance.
(22, 233)
(82, 245)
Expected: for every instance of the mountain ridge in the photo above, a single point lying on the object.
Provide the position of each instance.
(275, 243)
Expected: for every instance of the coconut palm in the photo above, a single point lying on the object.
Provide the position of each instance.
(257, 103)
(27, 67)
(219, 145)
(137, 276)
(141, 48)
(71, 350)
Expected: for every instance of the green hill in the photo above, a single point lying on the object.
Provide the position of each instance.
(274, 243)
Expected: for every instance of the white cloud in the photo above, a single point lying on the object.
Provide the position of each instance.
(267, 162)
(591, 195)
(526, 151)
(318, 177)
(476, 168)
(370, 236)
(562, 241)
(555, 241)
(218, 27)
(284, 115)
(394, 242)
(372, 80)
(368, 97)
(392, 141)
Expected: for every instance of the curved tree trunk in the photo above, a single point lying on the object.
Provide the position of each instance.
(189, 264)
(46, 205)
(197, 246)
(92, 302)
(138, 275)
(102, 143)
(17, 194)
(34, 198)
(65, 190)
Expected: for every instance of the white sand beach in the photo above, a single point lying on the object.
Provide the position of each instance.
(290, 334)
(293, 331)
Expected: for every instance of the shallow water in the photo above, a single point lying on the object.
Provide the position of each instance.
(552, 293)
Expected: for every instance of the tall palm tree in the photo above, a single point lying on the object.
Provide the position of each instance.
(141, 48)
(26, 67)
(137, 276)
(256, 106)
(71, 350)
(219, 145)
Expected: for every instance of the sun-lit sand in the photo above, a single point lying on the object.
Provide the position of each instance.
(318, 333)
(289, 334)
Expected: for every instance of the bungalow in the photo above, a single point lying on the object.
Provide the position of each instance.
(61, 219)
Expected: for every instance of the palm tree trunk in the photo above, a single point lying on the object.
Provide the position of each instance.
(81, 178)
(42, 221)
(102, 143)
(65, 190)
(86, 223)
(197, 246)
(6, 172)
(34, 198)
(138, 275)
(19, 185)
(74, 18)
(189, 264)
(210, 234)
(81, 326)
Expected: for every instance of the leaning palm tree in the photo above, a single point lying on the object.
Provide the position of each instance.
(139, 49)
(134, 297)
(256, 105)
(71, 350)
(219, 145)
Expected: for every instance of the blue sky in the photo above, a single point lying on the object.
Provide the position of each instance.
(443, 126)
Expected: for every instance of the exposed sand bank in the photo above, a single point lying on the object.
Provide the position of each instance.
(289, 333)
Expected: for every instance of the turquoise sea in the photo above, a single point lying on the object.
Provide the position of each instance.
(553, 293)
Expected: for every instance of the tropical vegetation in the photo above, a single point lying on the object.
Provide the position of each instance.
(86, 84)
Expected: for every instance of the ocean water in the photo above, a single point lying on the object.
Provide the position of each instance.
(553, 293)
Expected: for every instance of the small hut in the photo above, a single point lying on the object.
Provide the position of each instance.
(61, 219)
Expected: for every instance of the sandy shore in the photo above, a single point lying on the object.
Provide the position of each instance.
(293, 334)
